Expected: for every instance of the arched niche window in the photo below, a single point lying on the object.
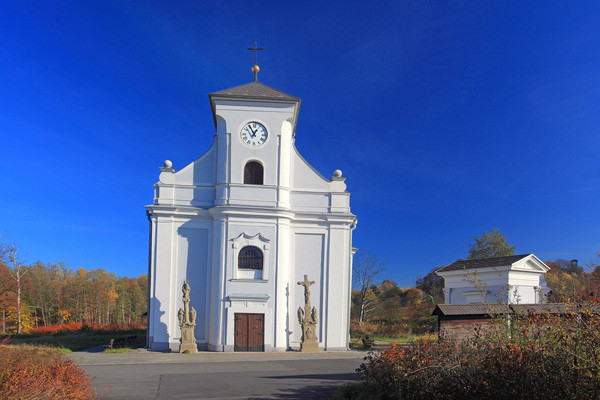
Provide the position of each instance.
(253, 173)
(250, 257)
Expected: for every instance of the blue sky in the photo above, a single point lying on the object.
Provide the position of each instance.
(447, 118)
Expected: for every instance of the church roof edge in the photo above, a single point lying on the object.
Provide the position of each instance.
(254, 90)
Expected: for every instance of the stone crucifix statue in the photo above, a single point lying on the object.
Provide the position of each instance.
(187, 323)
(308, 319)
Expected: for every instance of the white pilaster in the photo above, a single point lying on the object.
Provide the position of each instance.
(283, 300)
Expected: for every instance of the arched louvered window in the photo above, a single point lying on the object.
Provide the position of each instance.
(253, 173)
(250, 257)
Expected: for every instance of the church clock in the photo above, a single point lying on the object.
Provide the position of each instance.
(254, 134)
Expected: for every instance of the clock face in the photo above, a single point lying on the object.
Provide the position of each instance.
(254, 134)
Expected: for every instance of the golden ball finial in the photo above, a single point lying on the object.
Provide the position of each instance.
(255, 69)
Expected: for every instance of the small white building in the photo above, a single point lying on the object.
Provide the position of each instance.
(510, 280)
(243, 224)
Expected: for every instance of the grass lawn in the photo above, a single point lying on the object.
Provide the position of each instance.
(75, 341)
(356, 342)
(430, 337)
(51, 349)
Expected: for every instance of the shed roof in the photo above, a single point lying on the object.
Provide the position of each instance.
(482, 263)
(471, 309)
(492, 308)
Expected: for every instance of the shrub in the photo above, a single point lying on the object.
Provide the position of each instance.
(91, 328)
(41, 374)
(546, 357)
(444, 371)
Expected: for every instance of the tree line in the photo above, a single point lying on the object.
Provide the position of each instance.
(44, 294)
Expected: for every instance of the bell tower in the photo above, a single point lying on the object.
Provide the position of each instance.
(254, 124)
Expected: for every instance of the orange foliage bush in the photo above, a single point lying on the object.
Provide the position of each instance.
(78, 327)
(40, 374)
(484, 371)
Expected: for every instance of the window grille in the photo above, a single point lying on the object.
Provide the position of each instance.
(250, 257)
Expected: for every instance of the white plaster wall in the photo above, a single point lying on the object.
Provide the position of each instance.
(338, 279)
(192, 265)
(504, 284)
(160, 329)
(309, 257)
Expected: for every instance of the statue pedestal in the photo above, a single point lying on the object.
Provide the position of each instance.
(309, 340)
(188, 342)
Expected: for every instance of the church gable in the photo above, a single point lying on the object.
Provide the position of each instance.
(200, 172)
(305, 177)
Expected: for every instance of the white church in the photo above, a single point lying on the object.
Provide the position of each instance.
(243, 224)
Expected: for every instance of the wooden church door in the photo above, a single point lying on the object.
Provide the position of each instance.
(249, 332)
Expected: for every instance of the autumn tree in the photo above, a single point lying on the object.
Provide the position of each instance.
(567, 280)
(6, 291)
(432, 285)
(490, 244)
(9, 254)
(366, 268)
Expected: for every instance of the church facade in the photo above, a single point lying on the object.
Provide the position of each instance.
(242, 225)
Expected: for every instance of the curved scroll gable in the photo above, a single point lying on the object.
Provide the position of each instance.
(200, 172)
(305, 176)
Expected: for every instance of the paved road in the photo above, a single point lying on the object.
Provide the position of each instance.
(219, 376)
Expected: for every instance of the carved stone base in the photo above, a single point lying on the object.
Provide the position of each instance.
(310, 345)
(309, 339)
(188, 348)
(188, 341)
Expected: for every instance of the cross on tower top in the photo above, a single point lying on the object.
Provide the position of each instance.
(255, 68)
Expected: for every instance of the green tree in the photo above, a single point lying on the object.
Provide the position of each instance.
(490, 244)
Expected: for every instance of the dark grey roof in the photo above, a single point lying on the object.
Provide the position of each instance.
(520, 309)
(482, 263)
(471, 309)
(255, 90)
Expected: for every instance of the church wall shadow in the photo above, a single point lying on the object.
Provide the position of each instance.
(160, 333)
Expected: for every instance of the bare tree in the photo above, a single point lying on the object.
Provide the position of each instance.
(367, 267)
(9, 255)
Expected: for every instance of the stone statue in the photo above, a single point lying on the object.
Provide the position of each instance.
(180, 316)
(187, 323)
(193, 316)
(308, 319)
(186, 290)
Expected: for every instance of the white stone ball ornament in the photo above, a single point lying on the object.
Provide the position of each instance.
(337, 173)
(168, 164)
